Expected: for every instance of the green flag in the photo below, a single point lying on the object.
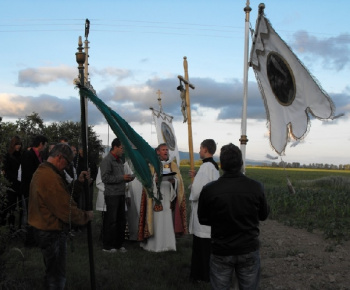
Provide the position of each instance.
(140, 153)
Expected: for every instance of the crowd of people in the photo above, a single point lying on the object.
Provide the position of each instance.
(224, 220)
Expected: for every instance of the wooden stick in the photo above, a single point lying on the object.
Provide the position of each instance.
(189, 121)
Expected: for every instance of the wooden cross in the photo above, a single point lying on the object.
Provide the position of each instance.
(188, 109)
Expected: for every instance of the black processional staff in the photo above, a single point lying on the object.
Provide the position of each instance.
(81, 59)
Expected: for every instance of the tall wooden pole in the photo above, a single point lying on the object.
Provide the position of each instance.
(81, 58)
(244, 138)
(188, 111)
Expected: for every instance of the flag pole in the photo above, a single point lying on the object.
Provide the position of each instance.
(81, 59)
(244, 138)
(188, 111)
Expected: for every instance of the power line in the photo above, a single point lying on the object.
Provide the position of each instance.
(225, 31)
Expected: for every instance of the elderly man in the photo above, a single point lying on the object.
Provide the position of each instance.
(172, 197)
(233, 206)
(51, 209)
(179, 204)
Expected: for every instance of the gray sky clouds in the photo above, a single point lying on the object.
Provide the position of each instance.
(333, 52)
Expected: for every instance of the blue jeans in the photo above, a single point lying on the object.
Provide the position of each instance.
(53, 246)
(246, 267)
(114, 222)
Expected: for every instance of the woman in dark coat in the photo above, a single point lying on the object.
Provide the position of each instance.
(12, 162)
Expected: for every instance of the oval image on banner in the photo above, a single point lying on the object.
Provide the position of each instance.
(168, 136)
(281, 79)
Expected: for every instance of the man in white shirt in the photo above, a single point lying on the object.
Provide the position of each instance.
(208, 172)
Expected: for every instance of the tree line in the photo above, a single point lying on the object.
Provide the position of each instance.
(29, 126)
(327, 166)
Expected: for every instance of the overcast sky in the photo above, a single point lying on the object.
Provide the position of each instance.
(137, 47)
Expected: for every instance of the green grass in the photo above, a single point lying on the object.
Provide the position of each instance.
(321, 202)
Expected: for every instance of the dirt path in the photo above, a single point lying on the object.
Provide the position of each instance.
(296, 259)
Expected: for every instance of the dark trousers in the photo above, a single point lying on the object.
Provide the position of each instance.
(53, 245)
(200, 261)
(8, 207)
(114, 222)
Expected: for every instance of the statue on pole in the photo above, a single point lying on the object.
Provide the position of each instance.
(183, 100)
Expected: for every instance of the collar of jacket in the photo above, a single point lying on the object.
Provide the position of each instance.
(229, 174)
(54, 168)
(116, 157)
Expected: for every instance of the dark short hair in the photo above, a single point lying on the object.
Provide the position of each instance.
(39, 139)
(62, 149)
(231, 158)
(161, 145)
(210, 145)
(116, 142)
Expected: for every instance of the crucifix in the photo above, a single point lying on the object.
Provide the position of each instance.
(159, 100)
(188, 109)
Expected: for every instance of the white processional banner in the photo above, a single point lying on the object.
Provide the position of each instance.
(289, 91)
(166, 133)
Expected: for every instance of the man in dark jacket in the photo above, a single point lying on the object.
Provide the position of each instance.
(114, 179)
(233, 206)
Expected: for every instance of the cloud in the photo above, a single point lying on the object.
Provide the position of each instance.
(226, 97)
(50, 108)
(144, 60)
(333, 51)
(341, 101)
(34, 77)
(223, 100)
(9, 107)
(120, 74)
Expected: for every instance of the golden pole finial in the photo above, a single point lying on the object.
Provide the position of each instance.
(80, 58)
(247, 10)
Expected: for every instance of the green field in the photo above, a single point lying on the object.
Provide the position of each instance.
(321, 202)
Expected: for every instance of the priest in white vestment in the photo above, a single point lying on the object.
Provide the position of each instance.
(163, 238)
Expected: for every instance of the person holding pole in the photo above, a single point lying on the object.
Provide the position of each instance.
(208, 171)
(51, 209)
